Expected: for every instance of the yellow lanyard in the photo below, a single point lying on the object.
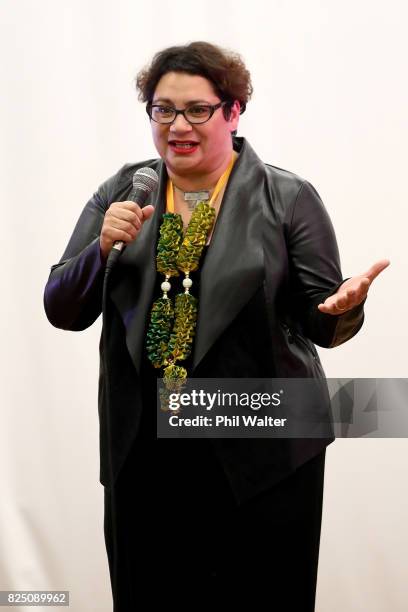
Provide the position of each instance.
(220, 184)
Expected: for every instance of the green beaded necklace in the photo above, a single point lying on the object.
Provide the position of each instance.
(172, 327)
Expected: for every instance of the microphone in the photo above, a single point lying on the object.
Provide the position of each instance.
(145, 180)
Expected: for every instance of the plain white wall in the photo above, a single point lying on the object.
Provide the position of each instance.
(330, 100)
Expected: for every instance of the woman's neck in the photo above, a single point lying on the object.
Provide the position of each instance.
(199, 182)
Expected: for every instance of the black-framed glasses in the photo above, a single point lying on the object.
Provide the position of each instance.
(195, 113)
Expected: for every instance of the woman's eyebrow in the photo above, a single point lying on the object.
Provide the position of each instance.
(188, 103)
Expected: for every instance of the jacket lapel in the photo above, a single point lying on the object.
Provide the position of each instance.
(133, 281)
(233, 267)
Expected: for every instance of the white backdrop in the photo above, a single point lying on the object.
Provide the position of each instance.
(330, 103)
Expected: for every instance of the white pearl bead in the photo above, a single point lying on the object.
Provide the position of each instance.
(187, 282)
(165, 286)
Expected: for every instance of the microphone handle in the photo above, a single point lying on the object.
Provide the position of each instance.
(139, 196)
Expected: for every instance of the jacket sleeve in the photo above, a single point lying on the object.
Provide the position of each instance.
(315, 272)
(73, 293)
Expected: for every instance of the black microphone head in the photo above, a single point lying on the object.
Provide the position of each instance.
(145, 179)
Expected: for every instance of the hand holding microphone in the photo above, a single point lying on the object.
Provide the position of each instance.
(122, 223)
(123, 220)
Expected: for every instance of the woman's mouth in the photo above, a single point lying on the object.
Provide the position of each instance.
(183, 146)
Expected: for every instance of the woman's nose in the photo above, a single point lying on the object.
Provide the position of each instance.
(180, 124)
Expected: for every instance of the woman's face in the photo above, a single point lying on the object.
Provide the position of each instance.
(212, 140)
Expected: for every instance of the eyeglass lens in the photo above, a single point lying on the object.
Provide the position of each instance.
(193, 114)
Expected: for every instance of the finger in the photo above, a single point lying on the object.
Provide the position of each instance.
(127, 206)
(339, 308)
(130, 228)
(364, 284)
(113, 235)
(328, 307)
(335, 306)
(345, 299)
(147, 211)
(362, 290)
(333, 309)
(343, 306)
(354, 295)
(376, 269)
(125, 214)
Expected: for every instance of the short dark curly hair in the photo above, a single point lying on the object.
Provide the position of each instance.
(223, 68)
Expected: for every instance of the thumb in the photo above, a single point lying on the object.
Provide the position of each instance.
(147, 211)
(376, 269)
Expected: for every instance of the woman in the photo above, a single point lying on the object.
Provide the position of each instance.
(265, 270)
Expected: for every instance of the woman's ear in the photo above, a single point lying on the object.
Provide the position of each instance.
(235, 110)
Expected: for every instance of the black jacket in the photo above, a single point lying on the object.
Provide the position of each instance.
(273, 255)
